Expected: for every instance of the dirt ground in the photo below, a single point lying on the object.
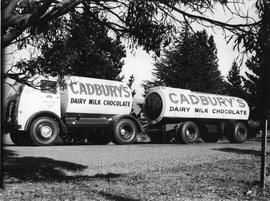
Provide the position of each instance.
(203, 171)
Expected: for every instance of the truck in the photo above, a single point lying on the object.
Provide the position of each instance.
(185, 116)
(97, 110)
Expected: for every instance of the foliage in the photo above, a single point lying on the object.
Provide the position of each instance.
(146, 23)
(234, 86)
(131, 80)
(148, 84)
(75, 46)
(253, 86)
(257, 82)
(191, 64)
(263, 49)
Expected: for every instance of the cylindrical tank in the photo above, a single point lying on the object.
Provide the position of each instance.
(95, 96)
(171, 103)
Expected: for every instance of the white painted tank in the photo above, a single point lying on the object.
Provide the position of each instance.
(165, 102)
(95, 96)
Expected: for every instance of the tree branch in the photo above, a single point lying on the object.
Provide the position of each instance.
(8, 11)
(12, 35)
(39, 11)
(239, 27)
(60, 9)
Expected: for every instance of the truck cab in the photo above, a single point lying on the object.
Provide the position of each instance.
(95, 110)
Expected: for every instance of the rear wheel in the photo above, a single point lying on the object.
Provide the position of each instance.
(44, 131)
(125, 132)
(188, 133)
(236, 132)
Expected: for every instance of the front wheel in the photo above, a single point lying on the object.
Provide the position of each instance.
(44, 131)
(125, 132)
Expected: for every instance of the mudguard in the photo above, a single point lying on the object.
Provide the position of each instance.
(117, 118)
(63, 126)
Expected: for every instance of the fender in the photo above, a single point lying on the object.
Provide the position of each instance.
(63, 126)
(118, 117)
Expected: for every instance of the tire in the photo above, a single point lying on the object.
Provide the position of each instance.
(125, 132)
(44, 131)
(187, 133)
(20, 138)
(236, 132)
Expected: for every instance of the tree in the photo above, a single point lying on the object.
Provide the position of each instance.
(131, 80)
(148, 84)
(235, 83)
(191, 64)
(253, 86)
(76, 46)
(263, 49)
(257, 82)
(147, 23)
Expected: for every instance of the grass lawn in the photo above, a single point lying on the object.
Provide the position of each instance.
(221, 180)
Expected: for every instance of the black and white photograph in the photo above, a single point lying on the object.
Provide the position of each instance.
(135, 100)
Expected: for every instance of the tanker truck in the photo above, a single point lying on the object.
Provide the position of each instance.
(94, 109)
(184, 116)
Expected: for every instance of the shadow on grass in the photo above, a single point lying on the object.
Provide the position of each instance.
(241, 151)
(113, 197)
(8, 154)
(259, 139)
(40, 169)
(36, 169)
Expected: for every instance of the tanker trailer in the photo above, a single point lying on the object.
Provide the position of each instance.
(186, 116)
(94, 109)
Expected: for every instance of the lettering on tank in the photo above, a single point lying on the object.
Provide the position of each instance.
(227, 102)
(205, 104)
(100, 89)
(100, 102)
(107, 94)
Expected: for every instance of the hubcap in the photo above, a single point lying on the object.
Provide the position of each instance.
(241, 133)
(126, 132)
(123, 131)
(191, 133)
(46, 131)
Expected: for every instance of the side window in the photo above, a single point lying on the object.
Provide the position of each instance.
(47, 86)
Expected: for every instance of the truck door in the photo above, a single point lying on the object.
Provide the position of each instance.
(32, 101)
